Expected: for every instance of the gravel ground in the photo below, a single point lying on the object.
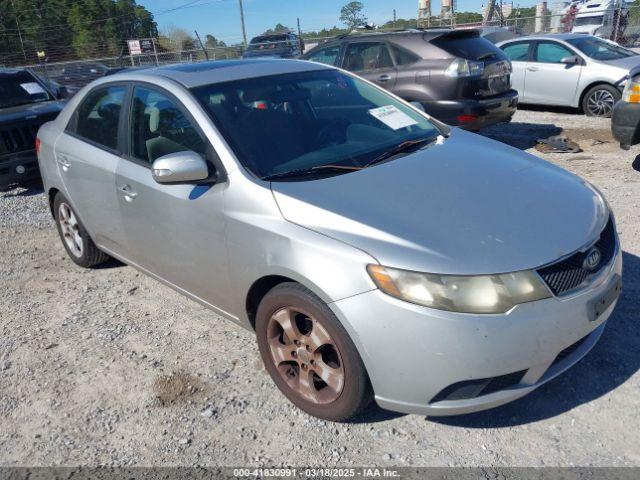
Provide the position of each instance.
(109, 367)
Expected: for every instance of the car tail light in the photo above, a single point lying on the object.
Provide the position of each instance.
(461, 67)
(631, 92)
(37, 146)
(466, 118)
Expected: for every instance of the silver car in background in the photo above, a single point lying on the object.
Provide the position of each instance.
(569, 69)
(374, 251)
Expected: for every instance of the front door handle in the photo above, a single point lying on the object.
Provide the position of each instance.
(384, 78)
(532, 69)
(129, 194)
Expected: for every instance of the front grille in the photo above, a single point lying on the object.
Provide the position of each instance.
(476, 388)
(569, 350)
(18, 137)
(568, 274)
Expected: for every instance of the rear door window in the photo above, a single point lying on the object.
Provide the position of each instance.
(362, 57)
(98, 116)
(517, 52)
(551, 52)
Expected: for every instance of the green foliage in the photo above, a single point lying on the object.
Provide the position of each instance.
(279, 28)
(70, 29)
(351, 15)
(212, 42)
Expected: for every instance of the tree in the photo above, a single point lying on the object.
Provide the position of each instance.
(351, 15)
(212, 42)
(279, 28)
(174, 38)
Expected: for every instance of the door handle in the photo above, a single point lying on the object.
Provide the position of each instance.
(63, 162)
(532, 69)
(128, 193)
(384, 78)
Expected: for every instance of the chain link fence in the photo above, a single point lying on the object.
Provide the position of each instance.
(623, 29)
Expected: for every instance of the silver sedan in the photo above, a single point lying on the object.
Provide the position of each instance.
(375, 252)
(571, 70)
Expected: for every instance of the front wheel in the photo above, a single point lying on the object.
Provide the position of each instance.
(599, 100)
(309, 355)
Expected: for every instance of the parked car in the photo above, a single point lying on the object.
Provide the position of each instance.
(79, 74)
(458, 77)
(569, 69)
(373, 250)
(278, 45)
(26, 102)
(625, 120)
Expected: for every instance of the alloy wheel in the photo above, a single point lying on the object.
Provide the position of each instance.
(600, 103)
(305, 355)
(70, 229)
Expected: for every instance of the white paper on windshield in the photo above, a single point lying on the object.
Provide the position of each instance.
(392, 117)
(32, 88)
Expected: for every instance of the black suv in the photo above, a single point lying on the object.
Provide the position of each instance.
(280, 45)
(458, 76)
(26, 102)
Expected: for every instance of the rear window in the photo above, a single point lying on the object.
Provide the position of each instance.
(470, 46)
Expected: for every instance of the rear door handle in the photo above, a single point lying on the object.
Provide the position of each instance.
(63, 162)
(128, 193)
(532, 69)
(384, 78)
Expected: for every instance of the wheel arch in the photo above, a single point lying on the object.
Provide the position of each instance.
(590, 86)
(52, 195)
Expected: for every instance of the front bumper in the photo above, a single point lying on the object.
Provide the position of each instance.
(413, 353)
(485, 112)
(625, 123)
(18, 167)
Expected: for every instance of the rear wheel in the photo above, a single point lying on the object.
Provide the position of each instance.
(599, 100)
(74, 236)
(309, 355)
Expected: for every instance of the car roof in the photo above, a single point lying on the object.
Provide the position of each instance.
(204, 73)
(547, 36)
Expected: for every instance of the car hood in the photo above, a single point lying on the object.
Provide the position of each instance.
(626, 63)
(31, 111)
(469, 205)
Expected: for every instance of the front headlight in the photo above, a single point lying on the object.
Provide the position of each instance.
(461, 293)
(631, 93)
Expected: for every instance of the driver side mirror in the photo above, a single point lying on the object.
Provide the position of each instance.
(63, 92)
(180, 167)
(570, 60)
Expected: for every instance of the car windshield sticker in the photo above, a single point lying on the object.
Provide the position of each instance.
(32, 88)
(392, 117)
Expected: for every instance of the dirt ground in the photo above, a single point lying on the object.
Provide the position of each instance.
(108, 367)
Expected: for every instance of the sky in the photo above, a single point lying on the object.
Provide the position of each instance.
(221, 18)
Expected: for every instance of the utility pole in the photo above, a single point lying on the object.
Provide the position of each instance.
(204, 50)
(15, 12)
(394, 18)
(244, 31)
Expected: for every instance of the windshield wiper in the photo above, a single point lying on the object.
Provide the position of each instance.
(319, 169)
(400, 148)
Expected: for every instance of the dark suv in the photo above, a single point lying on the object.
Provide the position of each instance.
(26, 102)
(280, 45)
(458, 76)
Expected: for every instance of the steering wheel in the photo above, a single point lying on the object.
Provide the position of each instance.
(334, 133)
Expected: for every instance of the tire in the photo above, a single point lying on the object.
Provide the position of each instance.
(599, 100)
(330, 353)
(74, 236)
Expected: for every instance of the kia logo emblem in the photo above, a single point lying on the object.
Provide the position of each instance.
(592, 259)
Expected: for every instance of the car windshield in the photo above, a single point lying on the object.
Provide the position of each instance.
(599, 49)
(321, 121)
(594, 20)
(21, 88)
